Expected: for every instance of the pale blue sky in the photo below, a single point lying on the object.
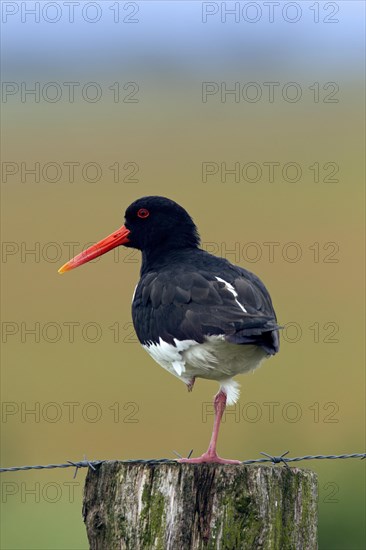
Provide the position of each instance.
(170, 36)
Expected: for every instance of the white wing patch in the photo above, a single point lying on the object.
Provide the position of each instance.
(231, 289)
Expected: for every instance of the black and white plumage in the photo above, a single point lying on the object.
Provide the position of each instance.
(201, 317)
(196, 314)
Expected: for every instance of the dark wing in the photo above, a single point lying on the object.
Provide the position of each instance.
(193, 304)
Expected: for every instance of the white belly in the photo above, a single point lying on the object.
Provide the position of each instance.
(215, 359)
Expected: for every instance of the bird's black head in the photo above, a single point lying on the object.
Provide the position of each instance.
(154, 225)
(159, 223)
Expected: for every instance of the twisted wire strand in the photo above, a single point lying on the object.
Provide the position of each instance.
(93, 464)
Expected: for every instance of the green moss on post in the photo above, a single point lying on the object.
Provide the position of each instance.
(171, 506)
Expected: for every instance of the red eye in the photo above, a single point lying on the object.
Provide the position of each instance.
(143, 213)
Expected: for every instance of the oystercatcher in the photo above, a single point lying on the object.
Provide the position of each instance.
(196, 314)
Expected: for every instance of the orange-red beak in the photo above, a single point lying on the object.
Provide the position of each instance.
(115, 239)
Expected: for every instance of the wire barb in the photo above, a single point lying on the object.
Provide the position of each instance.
(76, 468)
(180, 456)
(278, 459)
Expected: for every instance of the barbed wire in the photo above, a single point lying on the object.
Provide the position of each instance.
(93, 464)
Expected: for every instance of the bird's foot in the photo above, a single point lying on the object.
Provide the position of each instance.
(209, 458)
(190, 384)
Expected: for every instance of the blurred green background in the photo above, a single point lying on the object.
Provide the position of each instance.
(95, 392)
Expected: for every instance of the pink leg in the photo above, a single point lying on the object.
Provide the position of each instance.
(211, 455)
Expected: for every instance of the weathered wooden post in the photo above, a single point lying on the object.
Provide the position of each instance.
(172, 506)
